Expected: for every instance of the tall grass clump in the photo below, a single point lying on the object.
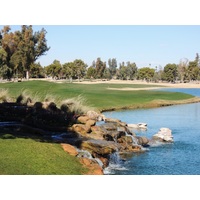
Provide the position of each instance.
(27, 97)
(4, 96)
(51, 98)
(77, 105)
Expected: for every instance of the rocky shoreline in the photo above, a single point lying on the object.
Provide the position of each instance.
(113, 136)
(91, 137)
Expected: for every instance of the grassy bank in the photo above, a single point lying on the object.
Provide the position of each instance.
(96, 95)
(21, 156)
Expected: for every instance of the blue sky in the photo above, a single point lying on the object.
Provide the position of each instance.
(155, 45)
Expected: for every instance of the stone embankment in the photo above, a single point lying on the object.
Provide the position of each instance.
(113, 135)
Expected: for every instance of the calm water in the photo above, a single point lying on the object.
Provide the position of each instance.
(180, 158)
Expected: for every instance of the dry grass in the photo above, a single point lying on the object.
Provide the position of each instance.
(27, 97)
(4, 96)
(76, 105)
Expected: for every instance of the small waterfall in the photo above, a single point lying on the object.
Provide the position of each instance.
(84, 154)
(115, 163)
(135, 140)
(87, 154)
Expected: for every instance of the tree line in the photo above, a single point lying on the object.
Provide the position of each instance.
(20, 50)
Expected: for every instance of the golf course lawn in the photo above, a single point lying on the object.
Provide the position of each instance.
(98, 96)
(26, 156)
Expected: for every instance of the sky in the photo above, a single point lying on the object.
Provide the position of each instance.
(149, 33)
(146, 45)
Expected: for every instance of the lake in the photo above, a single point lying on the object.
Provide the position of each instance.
(179, 158)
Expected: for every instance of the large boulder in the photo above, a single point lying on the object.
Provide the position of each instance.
(108, 127)
(92, 165)
(130, 148)
(125, 140)
(69, 149)
(143, 141)
(163, 135)
(83, 119)
(81, 129)
(90, 122)
(95, 116)
(113, 135)
(100, 147)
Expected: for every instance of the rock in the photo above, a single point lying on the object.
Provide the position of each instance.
(104, 161)
(122, 124)
(133, 126)
(130, 147)
(83, 119)
(92, 114)
(96, 133)
(92, 165)
(143, 141)
(81, 129)
(97, 130)
(90, 123)
(138, 126)
(95, 136)
(69, 149)
(100, 147)
(96, 116)
(108, 127)
(101, 117)
(113, 135)
(125, 139)
(134, 148)
(112, 120)
(164, 135)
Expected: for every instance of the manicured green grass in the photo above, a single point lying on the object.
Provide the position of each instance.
(96, 95)
(22, 156)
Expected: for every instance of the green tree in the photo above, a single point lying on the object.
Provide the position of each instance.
(107, 75)
(100, 67)
(23, 48)
(91, 72)
(131, 70)
(112, 63)
(193, 70)
(146, 73)
(54, 70)
(170, 73)
(79, 69)
(68, 70)
(122, 73)
(37, 71)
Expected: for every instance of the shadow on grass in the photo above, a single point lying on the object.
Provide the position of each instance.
(48, 124)
(14, 131)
